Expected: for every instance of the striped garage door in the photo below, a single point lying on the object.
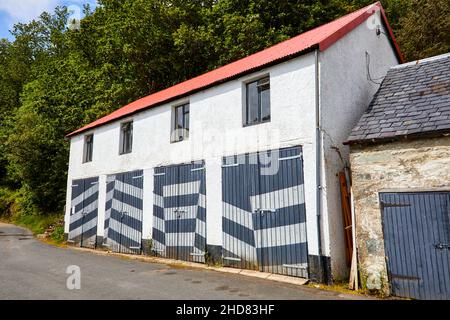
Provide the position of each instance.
(179, 212)
(84, 212)
(264, 219)
(416, 228)
(123, 216)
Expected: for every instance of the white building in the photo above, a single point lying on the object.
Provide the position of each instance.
(212, 191)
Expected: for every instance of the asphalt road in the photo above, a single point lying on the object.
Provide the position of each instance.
(30, 269)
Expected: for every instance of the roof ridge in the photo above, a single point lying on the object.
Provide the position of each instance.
(423, 61)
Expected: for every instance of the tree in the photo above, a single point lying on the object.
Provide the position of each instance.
(425, 29)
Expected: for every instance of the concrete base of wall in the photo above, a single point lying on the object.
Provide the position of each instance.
(214, 254)
(321, 274)
(320, 270)
(147, 247)
(99, 242)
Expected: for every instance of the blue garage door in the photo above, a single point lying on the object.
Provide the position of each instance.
(123, 216)
(84, 212)
(179, 212)
(416, 231)
(264, 218)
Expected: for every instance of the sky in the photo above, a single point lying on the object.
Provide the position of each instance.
(13, 11)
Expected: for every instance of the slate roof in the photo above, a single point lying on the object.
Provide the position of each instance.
(413, 100)
(321, 37)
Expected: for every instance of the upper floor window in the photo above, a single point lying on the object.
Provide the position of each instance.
(126, 137)
(88, 148)
(180, 129)
(258, 101)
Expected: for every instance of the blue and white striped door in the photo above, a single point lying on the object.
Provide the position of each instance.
(264, 217)
(416, 229)
(123, 216)
(179, 212)
(84, 212)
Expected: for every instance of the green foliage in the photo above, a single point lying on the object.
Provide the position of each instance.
(58, 234)
(425, 29)
(37, 223)
(7, 202)
(54, 80)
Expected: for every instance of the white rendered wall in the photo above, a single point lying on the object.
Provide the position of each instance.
(147, 217)
(101, 204)
(216, 130)
(345, 94)
(213, 170)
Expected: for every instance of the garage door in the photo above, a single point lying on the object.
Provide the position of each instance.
(417, 241)
(123, 216)
(264, 219)
(179, 212)
(84, 212)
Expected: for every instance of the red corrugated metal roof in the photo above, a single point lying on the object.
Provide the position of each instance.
(321, 37)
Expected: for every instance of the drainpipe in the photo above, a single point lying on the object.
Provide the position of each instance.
(318, 163)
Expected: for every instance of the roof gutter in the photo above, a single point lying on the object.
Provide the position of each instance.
(419, 135)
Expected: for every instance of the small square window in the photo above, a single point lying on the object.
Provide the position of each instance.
(257, 109)
(180, 128)
(126, 137)
(88, 148)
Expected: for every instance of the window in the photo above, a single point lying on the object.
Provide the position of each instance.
(126, 137)
(258, 101)
(88, 148)
(181, 123)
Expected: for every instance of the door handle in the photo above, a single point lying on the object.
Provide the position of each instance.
(178, 213)
(265, 210)
(442, 246)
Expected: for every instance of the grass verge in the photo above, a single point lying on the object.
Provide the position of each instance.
(50, 225)
(12, 211)
(342, 286)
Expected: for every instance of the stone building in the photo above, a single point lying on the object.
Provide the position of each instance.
(400, 162)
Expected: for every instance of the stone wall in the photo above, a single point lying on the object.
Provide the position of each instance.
(422, 164)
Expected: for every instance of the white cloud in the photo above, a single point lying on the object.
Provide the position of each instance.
(26, 10)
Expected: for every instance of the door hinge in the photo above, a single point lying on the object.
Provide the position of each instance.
(228, 165)
(159, 174)
(391, 205)
(231, 258)
(290, 158)
(404, 277)
(294, 266)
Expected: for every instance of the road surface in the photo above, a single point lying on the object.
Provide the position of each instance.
(31, 269)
